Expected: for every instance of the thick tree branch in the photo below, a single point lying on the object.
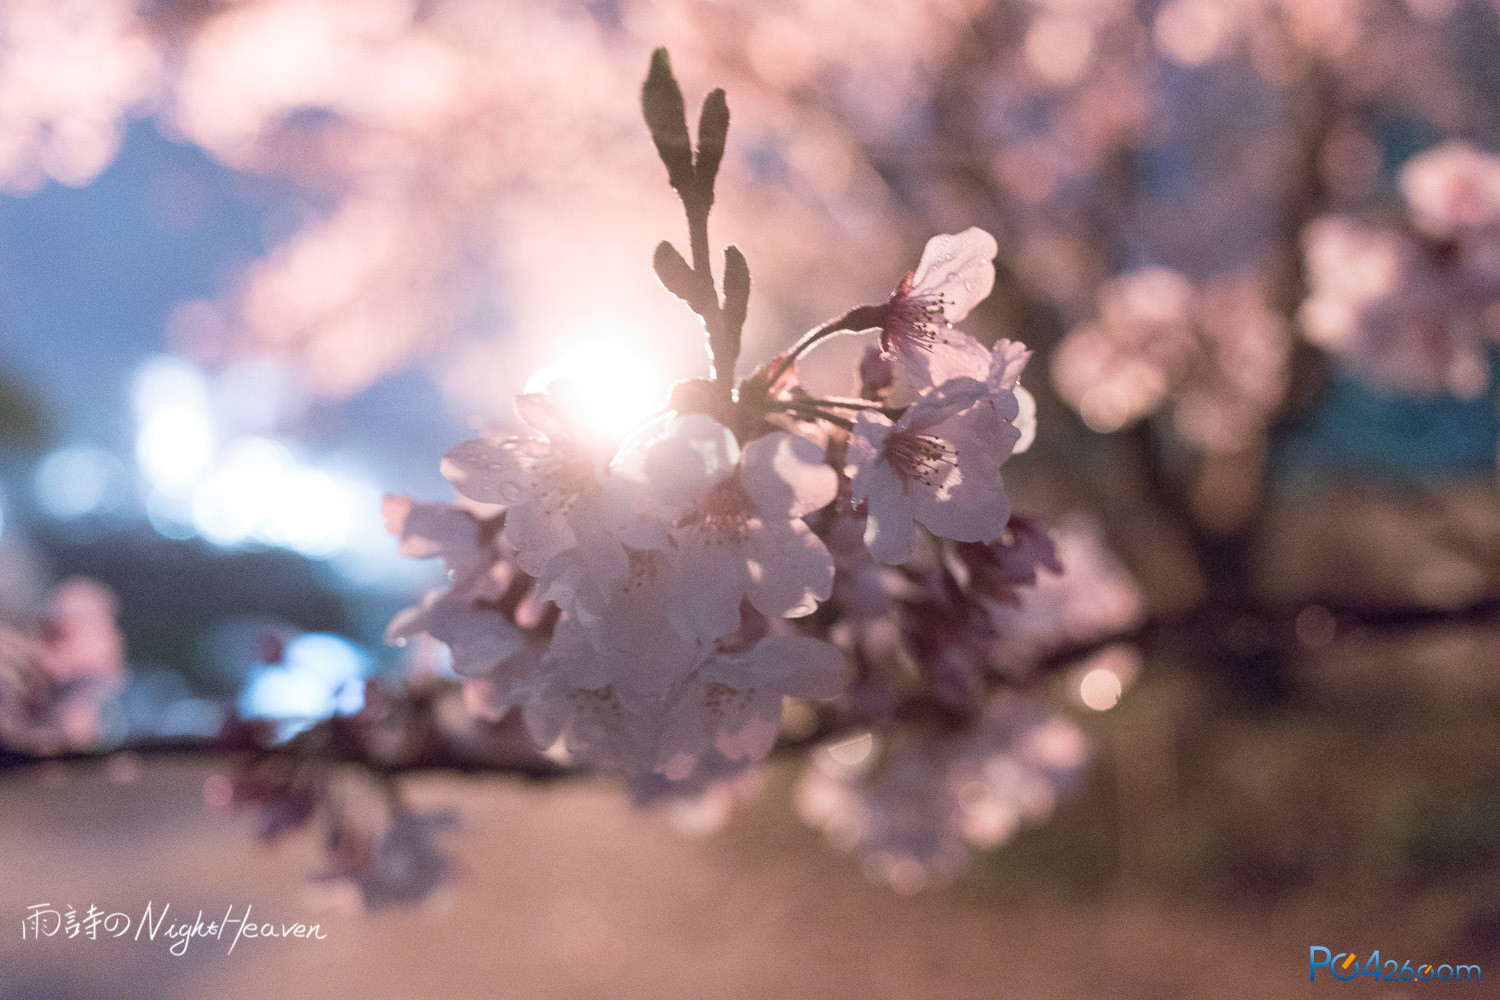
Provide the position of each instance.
(415, 743)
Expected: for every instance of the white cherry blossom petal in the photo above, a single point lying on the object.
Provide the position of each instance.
(594, 562)
(490, 471)
(573, 657)
(790, 569)
(550, 414)
(957, 270)
(889, 533)
(547, 711)
(540, 532)
(1025, 421)
(597, 725)
(942, 403)
(955, 273)
(970, 503)
(711, 576)
(480, 640)
(429, 530)
(969, 510)
(493, 694)
(805, 667)
(631, 515)
(939, 355)
(983, 436)
(695, 453)
(865, 444)
(1008, 360)
(631, 627)
(786, 474)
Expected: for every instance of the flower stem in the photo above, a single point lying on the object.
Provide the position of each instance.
(856, 319)
(848, 403)
(800, 410)
(723, 348)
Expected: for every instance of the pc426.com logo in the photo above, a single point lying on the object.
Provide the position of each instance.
(1346, 966)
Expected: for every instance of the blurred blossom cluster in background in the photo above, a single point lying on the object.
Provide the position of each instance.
(915, 813)
(263, 263)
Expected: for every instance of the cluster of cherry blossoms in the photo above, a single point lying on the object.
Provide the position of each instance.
(1412, 308)
(1217, 354)
(649, 604)
(914, 800)
(636, 600)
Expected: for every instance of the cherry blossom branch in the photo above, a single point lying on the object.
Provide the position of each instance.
(819, 409)
(371, 740)
(356, 740)
(855, 320)
(847, 403)
(815, 413)
(692, 174)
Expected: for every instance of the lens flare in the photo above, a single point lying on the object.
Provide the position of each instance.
(616, 382)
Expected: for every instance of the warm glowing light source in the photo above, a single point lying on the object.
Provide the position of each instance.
(1100, 689)
(854, 751)
(617, 384)
(1103, 677)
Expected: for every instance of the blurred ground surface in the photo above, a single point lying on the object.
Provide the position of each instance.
(568, 893)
